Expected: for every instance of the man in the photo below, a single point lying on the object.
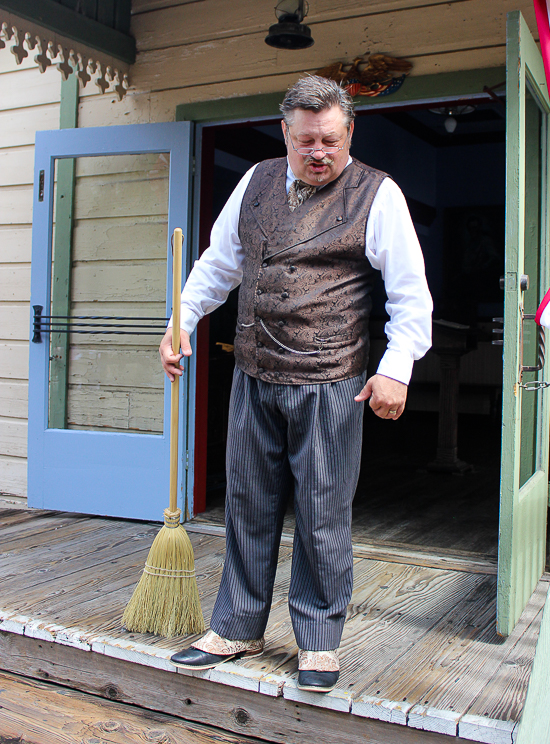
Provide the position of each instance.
(303, 235)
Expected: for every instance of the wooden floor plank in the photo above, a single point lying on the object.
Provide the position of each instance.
(512, 673)
(390, 619)
(426, 665)
(35, 712)
(383, 550)
(485, 661)
(80, 555)
(18, 516)
(59, 529)
(412, 631)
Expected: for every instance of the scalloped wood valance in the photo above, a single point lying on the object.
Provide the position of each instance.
(70, 57)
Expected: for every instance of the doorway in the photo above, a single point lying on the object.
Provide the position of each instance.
(454, 182)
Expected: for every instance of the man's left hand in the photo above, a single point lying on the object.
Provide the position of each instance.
(387, 396)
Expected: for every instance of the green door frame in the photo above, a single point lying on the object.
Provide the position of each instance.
(447, 86)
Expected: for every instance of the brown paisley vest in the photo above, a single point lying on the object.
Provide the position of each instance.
(304, 301)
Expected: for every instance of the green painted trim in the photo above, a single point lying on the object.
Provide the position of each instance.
(64, 21)
(61, 271)
(534, 727)
(68, 112)
(448, 84)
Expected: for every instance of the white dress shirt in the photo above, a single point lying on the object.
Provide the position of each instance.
(391, 247)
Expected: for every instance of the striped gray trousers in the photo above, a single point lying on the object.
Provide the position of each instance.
(284, 438)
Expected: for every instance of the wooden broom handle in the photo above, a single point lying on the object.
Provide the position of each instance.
(174, 401)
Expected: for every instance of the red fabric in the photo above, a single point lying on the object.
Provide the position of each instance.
(542, 307)
(542, 13)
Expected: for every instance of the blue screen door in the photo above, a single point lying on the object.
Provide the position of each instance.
(106, 202)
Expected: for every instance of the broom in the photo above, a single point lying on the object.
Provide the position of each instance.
(166, 599)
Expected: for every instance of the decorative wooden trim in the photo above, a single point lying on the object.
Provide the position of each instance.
(55, 17)
(108, 73)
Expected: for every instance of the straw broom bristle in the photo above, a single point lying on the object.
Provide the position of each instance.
(166, 599)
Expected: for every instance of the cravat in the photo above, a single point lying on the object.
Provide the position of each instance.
(298, 193)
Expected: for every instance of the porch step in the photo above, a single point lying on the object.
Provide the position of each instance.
(37, 712)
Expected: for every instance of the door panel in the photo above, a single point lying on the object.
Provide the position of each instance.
(524, 472)
(98, 401)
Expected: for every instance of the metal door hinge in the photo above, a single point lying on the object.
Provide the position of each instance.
(498, 331)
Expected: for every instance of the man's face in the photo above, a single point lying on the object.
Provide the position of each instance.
(318, 129)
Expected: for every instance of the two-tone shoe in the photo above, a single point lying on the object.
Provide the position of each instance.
(318, 671)
(212, 649)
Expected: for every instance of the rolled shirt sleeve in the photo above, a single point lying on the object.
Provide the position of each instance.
(219, 269)
(392, 247)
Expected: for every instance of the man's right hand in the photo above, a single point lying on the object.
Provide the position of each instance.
(169, 360)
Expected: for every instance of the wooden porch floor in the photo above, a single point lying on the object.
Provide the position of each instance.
(419, 649)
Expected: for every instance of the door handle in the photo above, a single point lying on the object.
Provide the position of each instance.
(524, 282)
(541, 346)
(534, 384)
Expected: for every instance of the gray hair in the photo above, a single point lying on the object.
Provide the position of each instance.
(315, 93)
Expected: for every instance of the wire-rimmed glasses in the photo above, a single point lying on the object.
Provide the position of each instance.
(311, 150)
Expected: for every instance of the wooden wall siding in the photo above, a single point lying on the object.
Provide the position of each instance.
(29, 102)
(118, 268)
(212, 41)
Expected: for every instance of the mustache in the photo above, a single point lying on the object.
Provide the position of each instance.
(322, 161)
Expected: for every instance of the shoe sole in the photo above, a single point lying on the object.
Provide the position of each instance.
(313, 688)
(243, 655)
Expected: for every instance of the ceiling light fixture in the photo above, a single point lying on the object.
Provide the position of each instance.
(290, 32)
(450, 112)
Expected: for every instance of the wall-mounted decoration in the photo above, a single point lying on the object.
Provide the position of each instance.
(70, 57)
(370, 75)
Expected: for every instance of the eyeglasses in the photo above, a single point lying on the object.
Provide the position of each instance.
(311, 150)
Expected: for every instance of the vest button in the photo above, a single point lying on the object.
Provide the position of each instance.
(281, 350)
(256, 203)
(281, 323)
(259, 345)
(259, 291)
(339, 219)
(293, 269)
(261, 370)
(264, 265)
(284, 296)
(257, 318)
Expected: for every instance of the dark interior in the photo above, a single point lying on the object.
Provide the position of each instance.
(454, 184)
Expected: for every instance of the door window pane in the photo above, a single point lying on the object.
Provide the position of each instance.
(533, 236)
(109, 261)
